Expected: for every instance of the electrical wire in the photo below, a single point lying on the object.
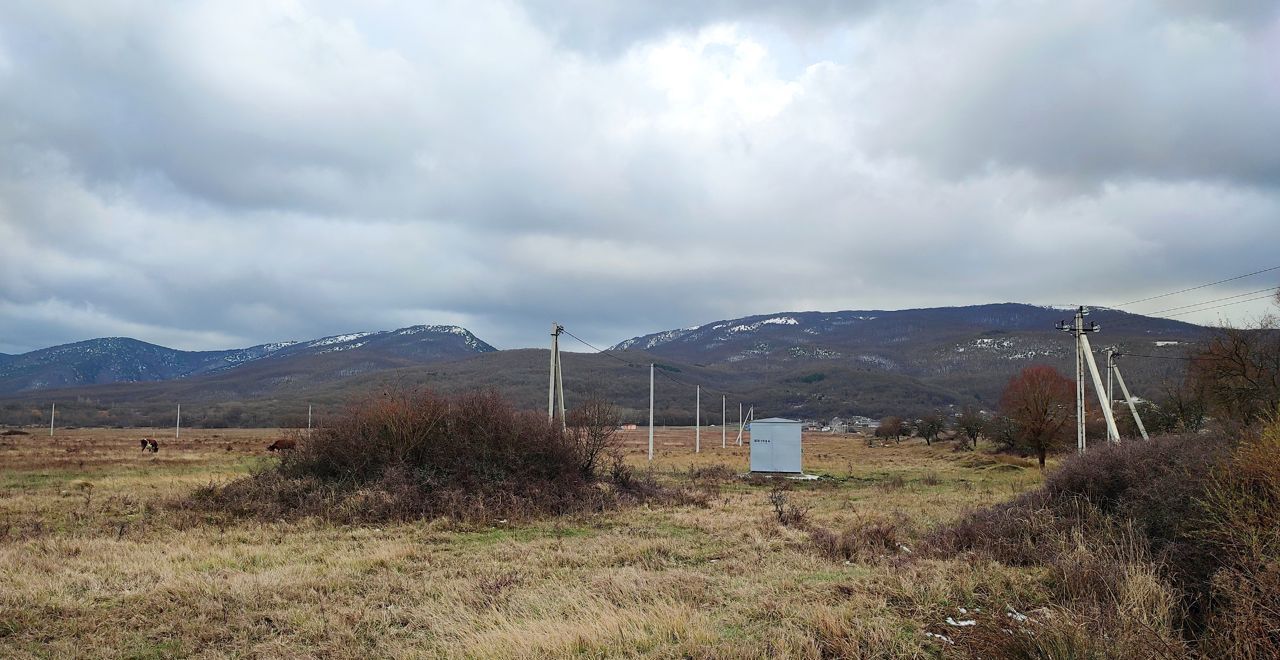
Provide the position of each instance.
(1161, 357)
(1202, 286)
(1125, 322)
(660, 372)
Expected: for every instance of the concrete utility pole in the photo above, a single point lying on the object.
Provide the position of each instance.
(1077, 330)
(177, 423)
(1128, 398)
(724, 430)
(650, 412)
(53, 412)
(555, 383)
(697, 423)
(1084, 357)
(308, 420)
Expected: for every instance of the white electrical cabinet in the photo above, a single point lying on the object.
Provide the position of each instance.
(775, 445)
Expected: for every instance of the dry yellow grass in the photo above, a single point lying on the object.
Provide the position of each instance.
(92, 562)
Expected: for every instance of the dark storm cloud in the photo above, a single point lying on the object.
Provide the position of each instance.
(208, 175)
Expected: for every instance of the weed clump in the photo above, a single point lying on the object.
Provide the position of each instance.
(867, 538)
(418, 454)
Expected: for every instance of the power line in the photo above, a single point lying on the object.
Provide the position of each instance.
(1159, 357)
(1206, 302)
(1202, 286)
(660, 372)
(1124, 322)
(600, 350)
(1238, 302)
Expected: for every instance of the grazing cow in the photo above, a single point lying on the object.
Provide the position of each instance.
(143, 443)
(153, 445)
(282, 444)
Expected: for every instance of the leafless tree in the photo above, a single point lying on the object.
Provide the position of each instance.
(1041, 402)
(1004, 431)
(930, 426)
(971, 425)
(890, 427)
(1238, 372)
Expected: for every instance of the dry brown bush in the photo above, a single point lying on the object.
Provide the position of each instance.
(417, 454)
(1172, 545)
(1242, 526)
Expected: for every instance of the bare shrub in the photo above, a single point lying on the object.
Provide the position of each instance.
(593, 429)
(1122, 531)
(417, 454)
(788, 515)
(1242, 526)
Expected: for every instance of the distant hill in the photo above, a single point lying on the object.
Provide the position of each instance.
(966, 349)
(124, 360)
(812, 365)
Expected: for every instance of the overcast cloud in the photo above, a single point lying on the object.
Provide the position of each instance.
(212, 175)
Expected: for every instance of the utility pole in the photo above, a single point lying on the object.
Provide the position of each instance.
(1128, 398)
(308, 420)
(724, 430)
(555, 383)
(53, 413)
(650, 412)
(1084, 357)
(697, 423)
(177, 423)
(1077, 330)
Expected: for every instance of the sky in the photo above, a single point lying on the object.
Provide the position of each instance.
(208, 175)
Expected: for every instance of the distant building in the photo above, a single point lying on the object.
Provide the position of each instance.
(627, 427)
(862, 424)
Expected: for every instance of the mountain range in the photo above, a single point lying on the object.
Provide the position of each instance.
(798, 364)
(125, 360)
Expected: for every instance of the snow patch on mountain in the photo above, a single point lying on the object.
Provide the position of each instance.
(815, 352)
(777, 320)
(879, 361)
(338, 339)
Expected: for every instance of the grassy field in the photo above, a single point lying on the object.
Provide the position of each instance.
(95, 561)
